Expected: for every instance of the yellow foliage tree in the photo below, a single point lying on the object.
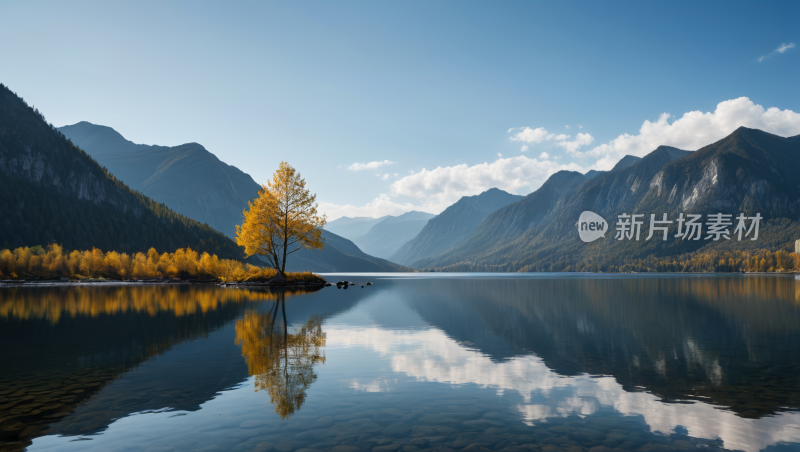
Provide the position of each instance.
(282, 220)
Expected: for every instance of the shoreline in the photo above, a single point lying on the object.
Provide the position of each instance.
(111, 282)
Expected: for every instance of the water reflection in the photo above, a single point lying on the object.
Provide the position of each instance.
(514, 363)
(52, 303)
(282, 362)
(61, 347)
(732, 340)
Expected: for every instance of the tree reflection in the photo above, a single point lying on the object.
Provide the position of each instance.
(282, 361)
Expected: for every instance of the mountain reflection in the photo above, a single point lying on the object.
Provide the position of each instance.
(281, 361)
(732, 340)
(713, 356)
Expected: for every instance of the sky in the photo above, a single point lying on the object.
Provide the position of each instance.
(387, 107)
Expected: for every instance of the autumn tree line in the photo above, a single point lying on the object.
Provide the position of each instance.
(54, 262)
(750, 261)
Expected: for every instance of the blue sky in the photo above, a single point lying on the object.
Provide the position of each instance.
(425, 85)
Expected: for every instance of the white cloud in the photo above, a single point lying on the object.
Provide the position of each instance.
(370, 165)
(438, 188)
(567, 127)
(580, 126)
(523, 148)
(435, 190)
(499, 155)
(781, 49)
(540, 135)
(385, 176)
(378, 207)
(581, 139)
(696, 129)
(528, 135)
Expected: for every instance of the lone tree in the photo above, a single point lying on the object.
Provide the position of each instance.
(282, 220)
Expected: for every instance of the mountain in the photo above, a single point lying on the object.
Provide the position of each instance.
(339, 255)
(194, 182)
(452, 226)
(591, 174)
(750, 172)
(353, 228)
(626, 162)
(389, 234)
(187, 178)
(506, 224)
(52, 191)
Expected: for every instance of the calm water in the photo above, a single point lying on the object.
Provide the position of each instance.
(458, 362)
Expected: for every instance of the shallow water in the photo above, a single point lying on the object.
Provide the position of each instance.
(469, 362)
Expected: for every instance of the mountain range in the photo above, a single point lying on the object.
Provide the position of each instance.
(353, 228)
(129, 197)
(194, 182)
(452, 226)
(749, 171)
(385, 237)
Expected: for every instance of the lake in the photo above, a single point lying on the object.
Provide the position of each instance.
(473, 362)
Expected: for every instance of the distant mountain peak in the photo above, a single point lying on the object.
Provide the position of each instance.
(626, 162)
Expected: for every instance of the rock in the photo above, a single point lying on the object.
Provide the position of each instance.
(599, 449)
(288, 446)
(563, 428)
(396, 429)
(369, 283)
(590, 434)
(346, 449)
(252, 424)
(485, 423)
(423, 430)
(314, 434)
(461, 442)
(370, 427)
(615, 436)
(477, 446)
(388, 448)
(359, 421)
(446, 430)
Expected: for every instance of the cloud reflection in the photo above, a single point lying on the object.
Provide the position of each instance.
(430, 355)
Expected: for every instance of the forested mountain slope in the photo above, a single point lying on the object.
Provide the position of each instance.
(52, 191)
(188, 178)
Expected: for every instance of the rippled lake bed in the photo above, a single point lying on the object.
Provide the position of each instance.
(472, 362)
